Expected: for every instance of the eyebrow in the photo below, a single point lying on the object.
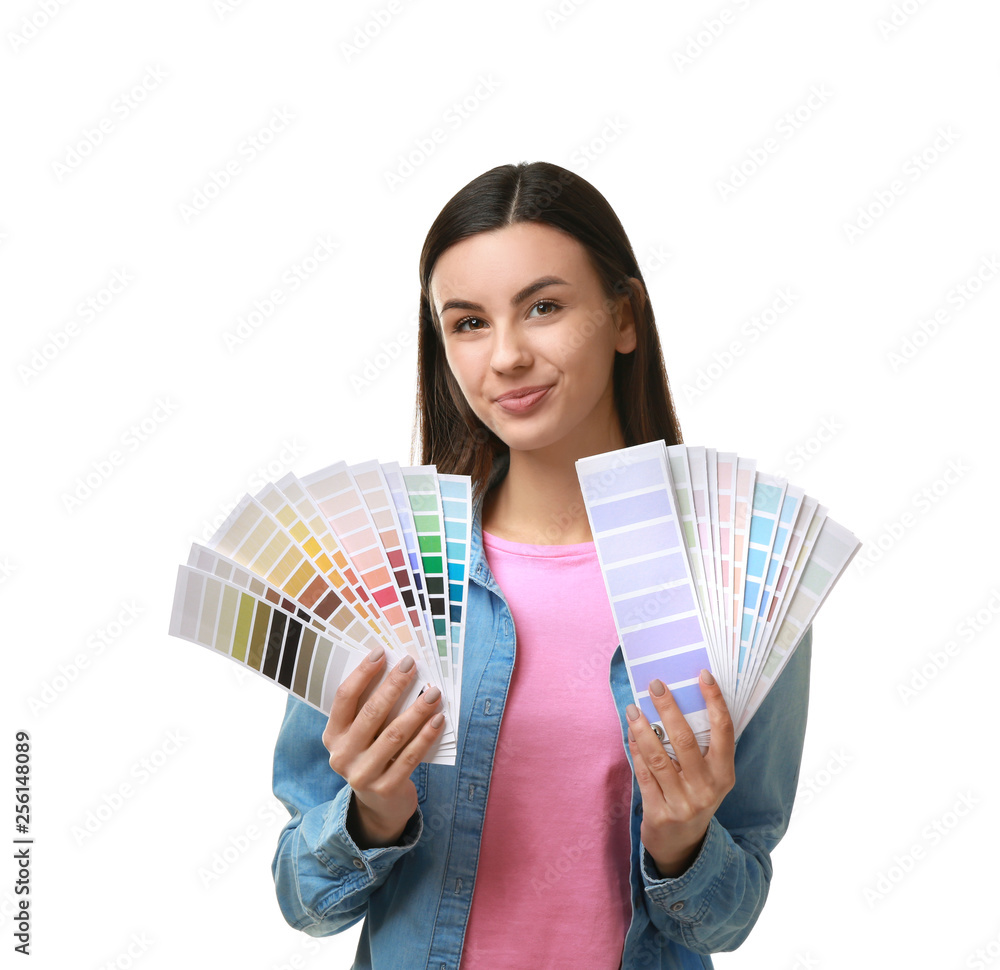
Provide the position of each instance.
(519, 297)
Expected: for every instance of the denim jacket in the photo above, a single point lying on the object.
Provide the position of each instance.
(415, 897)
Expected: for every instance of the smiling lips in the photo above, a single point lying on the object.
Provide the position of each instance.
(522, 399)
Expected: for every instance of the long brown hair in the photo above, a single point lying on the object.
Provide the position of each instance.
(452, 436)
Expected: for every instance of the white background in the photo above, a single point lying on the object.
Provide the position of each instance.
(863, 877)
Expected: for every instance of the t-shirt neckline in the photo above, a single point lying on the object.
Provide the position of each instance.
(540, 551)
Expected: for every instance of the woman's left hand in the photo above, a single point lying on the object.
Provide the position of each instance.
(680, 797)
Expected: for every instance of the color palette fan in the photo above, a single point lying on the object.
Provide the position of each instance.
(708, 563)
(306, 577)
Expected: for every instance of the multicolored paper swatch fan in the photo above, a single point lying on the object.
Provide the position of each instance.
(708, 563)
(307, 576)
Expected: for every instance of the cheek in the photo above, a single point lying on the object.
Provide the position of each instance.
(466, 380)
(584, 346)
(588, 364)
(460, 374)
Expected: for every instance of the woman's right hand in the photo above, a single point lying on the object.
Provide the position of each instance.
(377, 759)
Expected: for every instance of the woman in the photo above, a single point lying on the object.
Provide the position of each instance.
(563, 836)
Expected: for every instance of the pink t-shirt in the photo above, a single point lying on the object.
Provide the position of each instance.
(552, 887)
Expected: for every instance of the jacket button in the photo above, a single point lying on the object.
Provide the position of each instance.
(677, 907)
(358, 863)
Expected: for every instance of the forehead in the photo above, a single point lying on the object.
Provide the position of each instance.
(489, 266)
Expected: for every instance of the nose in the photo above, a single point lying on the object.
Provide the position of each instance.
(510, 348)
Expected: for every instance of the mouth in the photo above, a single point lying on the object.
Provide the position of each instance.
(523, 398)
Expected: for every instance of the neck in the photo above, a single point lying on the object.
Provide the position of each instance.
(539, 500)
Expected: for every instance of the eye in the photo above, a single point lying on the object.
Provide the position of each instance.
(551, 303)
(458, 326)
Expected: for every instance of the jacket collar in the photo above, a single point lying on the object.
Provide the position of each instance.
(479, 569)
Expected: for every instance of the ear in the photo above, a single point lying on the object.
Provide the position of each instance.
(625, 320)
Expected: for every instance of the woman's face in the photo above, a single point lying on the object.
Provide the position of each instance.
(521, 308)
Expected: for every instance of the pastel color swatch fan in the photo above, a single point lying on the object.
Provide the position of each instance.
(708, 563)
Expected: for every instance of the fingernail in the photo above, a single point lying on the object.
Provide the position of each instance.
(707, 678)
(632, 711)
(631, 736)
(437, 720)
(656, 687)
(406, 664)
(376, 655)
(433, 695)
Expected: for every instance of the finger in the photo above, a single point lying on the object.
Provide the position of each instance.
(722, 745)
(373, 712)
(679, 733)
(344, 708)
(409, 757)
(655, 759)
(398, 733)
(649, 787)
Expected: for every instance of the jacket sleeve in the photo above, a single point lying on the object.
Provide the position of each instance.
(715, 903)
(321, 877)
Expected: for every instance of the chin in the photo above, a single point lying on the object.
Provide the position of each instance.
(531, 442)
